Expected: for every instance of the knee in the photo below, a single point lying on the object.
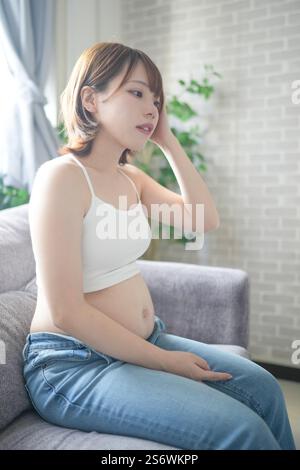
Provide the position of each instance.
(268, 390)
(241, 429)
(254, 434)
(268, 382)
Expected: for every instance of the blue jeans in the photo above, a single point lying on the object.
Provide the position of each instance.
(72, 385)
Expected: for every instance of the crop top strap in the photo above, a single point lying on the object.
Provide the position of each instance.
(131, 183)
(86, 174)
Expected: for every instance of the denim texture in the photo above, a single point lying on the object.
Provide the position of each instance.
(72, 385)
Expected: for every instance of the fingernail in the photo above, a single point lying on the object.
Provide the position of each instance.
(229, 376)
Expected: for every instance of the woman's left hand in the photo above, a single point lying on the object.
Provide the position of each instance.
(162, 131)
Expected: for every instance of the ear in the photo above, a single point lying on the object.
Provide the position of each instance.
(88, 98)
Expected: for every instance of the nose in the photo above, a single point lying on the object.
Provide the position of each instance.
(151, 114)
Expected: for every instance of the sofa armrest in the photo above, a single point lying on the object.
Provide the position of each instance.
(204, 303)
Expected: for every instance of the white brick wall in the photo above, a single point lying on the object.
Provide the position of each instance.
(252, 147)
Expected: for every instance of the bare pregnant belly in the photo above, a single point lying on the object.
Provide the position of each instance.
(128, 302)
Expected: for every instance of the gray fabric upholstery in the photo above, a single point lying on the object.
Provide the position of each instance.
(30, 431)
(208, 304)
(16, 256)
(16, 310)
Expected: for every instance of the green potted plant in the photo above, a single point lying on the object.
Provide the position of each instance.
(11, 196)
(151, 160)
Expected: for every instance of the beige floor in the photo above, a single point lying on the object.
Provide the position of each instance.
(291, 392)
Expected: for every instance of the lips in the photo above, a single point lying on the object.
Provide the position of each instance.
(143, 130)
(147, 127)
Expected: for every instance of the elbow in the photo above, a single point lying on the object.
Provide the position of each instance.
(58, 323)
(212, 225)
(66, 313)
(210, 221)
(205, 224)
(214, 222)
(208, 226)
(58, 317)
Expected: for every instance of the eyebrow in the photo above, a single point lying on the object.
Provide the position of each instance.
(139, 81)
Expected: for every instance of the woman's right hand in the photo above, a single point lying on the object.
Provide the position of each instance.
(188, 364)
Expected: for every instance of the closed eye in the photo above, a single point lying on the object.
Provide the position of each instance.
(137, 91)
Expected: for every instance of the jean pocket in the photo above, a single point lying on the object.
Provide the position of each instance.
(43, 357)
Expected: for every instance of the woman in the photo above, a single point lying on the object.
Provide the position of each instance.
(97, 357)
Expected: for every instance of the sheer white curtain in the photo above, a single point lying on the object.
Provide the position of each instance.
(5, 93)
(26, 39)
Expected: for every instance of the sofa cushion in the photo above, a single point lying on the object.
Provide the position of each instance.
(29, 431)
(16, 311)
(17, 265)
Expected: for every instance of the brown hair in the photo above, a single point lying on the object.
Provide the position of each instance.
(95, 67)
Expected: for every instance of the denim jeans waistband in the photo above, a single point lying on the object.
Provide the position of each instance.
(49, 340)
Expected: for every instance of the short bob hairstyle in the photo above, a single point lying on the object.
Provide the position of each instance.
(95, 67)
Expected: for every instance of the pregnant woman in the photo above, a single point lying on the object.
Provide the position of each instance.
(97, 357)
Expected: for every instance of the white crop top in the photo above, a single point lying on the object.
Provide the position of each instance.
(112, 240)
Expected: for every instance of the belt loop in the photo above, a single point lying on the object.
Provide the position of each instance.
(25, 349)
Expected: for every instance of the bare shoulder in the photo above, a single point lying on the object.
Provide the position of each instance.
(60, 176)
(60, 165)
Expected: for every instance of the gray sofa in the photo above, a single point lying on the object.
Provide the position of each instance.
(208, 304)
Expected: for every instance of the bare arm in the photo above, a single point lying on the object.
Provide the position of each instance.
(56, 213)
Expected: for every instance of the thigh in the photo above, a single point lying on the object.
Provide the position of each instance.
(251, 384)
(125, 399)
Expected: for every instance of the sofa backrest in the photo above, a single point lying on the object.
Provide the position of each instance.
(17, 304)
(17, 265)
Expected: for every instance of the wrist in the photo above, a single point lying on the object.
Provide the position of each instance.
(161, 358)
(168, 142)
